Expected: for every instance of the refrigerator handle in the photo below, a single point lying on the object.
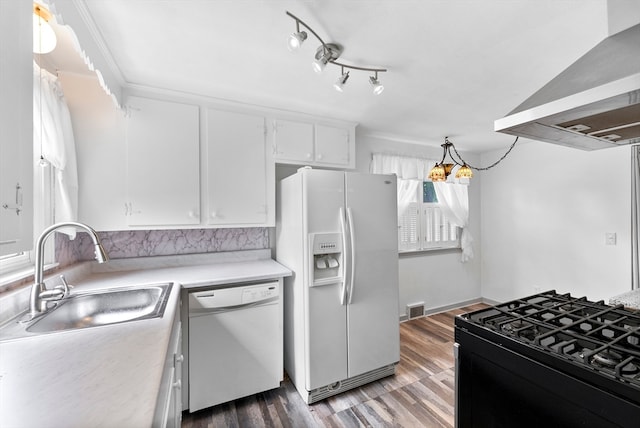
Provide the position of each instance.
(352, 253)
(343, 226)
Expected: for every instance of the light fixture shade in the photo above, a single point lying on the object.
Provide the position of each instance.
(295, 40)
(44, 38)
(437, 173)
(377, 86)
(320, 62)
(464, 172)
(341, 81)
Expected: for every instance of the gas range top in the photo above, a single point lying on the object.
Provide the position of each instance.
(600, 339)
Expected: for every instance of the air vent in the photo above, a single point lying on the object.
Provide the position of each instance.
(415, 310)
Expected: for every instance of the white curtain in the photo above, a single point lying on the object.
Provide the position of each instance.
(635, 217)
(453, 197)
(53, 139)
(410, 172)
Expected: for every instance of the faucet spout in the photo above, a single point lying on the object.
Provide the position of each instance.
(37, 305)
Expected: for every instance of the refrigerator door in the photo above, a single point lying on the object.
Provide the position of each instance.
(326, 317)
(373, 329)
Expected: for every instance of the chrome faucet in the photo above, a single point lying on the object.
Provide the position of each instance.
(39, 293)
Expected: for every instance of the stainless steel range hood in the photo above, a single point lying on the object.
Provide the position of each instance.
(593, 104)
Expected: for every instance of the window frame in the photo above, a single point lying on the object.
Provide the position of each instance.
(17, 266)
(417, 215)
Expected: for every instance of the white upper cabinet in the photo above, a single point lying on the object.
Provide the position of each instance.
(317, 144)
(333, 145)
(237, 178)
(163, 158)
(16, 127)
(293, 141)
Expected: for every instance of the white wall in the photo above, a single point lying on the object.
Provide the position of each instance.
(545, 211)
(437, 278)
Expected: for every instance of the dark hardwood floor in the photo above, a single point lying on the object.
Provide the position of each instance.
(420, 394)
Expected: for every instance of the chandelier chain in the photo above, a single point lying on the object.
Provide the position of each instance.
(487, 167)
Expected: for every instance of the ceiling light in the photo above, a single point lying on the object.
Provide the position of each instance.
(375, 83)
(296, 39)
(341, 81)
(329, 53)
(44, 38)
(442, 170)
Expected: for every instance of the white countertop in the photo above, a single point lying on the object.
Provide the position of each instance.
(630, 299)
(108, 376)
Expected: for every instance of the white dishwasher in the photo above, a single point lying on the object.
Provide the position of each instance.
(235, 342)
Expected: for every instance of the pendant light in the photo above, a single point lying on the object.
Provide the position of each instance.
(442, 170)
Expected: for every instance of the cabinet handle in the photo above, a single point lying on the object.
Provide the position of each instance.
(193, 214)
(128, 209)
(177, 384)
(179, 358)
(308, 155)
(214, 214)
(319, 156)
(18, 205)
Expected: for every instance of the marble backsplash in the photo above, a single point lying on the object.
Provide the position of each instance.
(145, 243)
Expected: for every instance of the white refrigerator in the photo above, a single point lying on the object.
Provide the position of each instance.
(337, 232)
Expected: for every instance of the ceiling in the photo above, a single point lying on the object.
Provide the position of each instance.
(454, 66)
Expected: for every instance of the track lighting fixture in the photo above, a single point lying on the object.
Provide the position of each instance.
(329, 53)
(442, 170)
(341, 80)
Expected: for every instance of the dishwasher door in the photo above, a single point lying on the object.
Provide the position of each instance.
(235, 343)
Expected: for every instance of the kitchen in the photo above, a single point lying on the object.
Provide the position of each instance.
(521, 248)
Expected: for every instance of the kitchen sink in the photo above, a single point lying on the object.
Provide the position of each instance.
(104, 307)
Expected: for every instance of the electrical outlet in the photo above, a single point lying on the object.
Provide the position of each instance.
(610, 238)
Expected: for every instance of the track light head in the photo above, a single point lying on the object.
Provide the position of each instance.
(295, 40)
(375, 83)
(325, 54)
(341, 81)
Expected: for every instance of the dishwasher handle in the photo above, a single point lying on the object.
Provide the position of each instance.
(200, 310)
(228, 299)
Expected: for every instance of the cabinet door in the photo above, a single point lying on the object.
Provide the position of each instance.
(16, 125)
(332, 145)
(163, 163)
(293, 141)
(237, 177)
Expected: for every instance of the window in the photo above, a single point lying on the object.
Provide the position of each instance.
(422, 224)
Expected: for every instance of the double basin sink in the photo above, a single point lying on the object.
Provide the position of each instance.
(98, 308)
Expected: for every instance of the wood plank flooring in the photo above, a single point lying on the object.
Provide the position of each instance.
(420, 394)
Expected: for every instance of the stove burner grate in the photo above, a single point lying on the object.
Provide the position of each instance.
(606, 358)
(604, 338)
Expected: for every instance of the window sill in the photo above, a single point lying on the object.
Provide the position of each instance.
(20, 277)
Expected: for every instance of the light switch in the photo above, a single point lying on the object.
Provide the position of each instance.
(610, 238)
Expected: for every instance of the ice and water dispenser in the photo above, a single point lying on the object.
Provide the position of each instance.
(327, 257)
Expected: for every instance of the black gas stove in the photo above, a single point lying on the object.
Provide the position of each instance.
(548, 360)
